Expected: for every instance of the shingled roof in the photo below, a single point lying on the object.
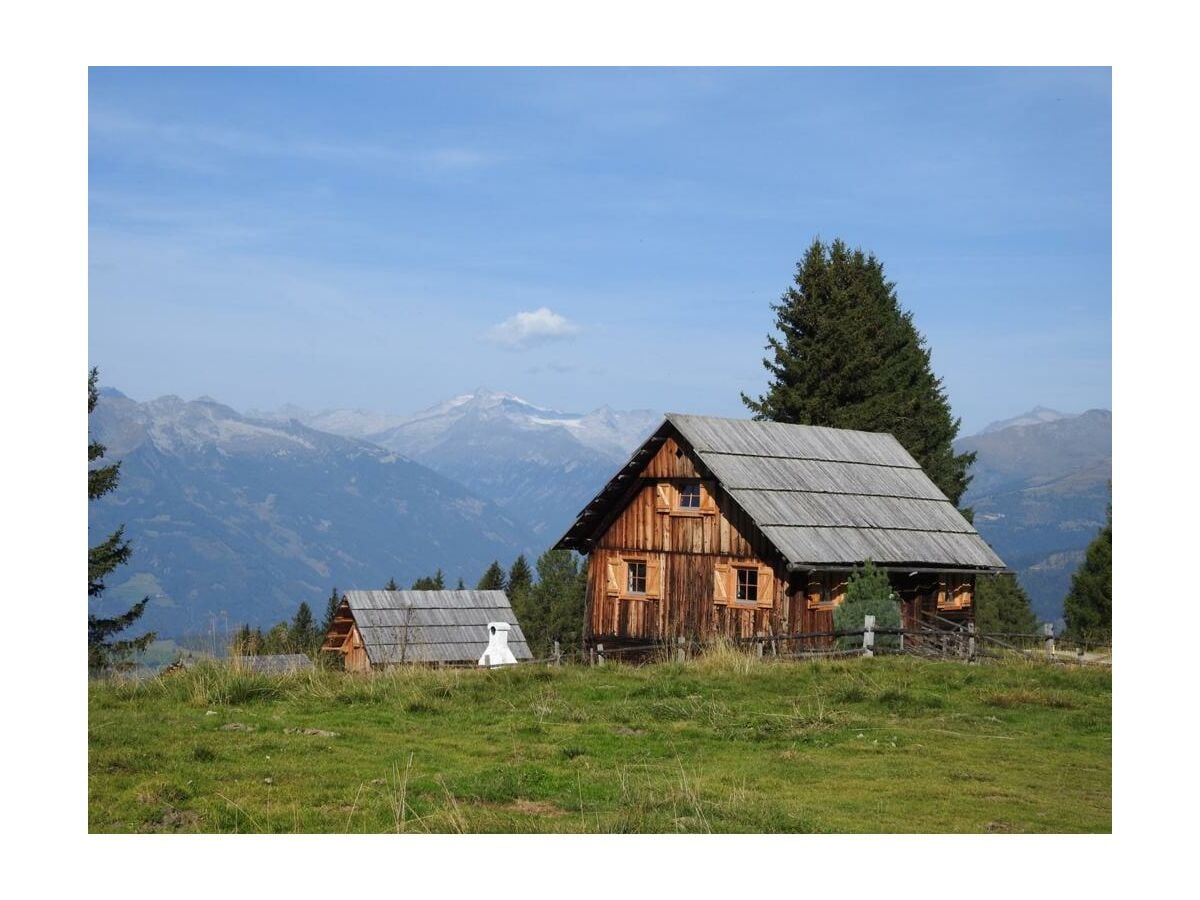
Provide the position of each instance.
(432, 626)
(823, 497)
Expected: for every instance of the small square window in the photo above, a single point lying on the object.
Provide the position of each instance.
(747, 585)
(689, 496)
(636, 579)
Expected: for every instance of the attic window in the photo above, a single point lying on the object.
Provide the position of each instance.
(689, 495)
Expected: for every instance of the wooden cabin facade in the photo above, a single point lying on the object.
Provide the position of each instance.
(725, 527)
(377, 629)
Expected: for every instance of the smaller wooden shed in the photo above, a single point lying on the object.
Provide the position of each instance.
(274, 664)
(376, 629)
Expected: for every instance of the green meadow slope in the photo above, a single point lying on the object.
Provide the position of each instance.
(722, 744)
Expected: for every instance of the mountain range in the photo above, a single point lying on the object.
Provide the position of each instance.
(246, 515)
(1040, 490)
(545, 463)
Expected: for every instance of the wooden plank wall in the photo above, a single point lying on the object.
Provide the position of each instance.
(688, 546)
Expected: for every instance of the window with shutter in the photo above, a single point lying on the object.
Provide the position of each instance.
(746, 586)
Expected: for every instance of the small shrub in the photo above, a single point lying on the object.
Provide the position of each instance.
(868, 593)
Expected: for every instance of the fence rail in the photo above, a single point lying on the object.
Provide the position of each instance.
(936, 638)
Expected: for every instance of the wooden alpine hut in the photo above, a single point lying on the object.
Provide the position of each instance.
(376, 629)
(742, 528)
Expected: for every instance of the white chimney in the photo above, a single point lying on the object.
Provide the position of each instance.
(497, 652)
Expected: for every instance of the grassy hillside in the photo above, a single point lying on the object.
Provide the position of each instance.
(723, 744)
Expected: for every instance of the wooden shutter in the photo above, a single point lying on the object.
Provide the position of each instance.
(941, 593)
(654, 575)
(766, 586)
(708, 503)
(662, 497)
(721, 583)
(837, 589)
(812, 589)
(613, 586)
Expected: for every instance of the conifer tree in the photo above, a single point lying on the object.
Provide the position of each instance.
(331, 607)
(425, 583)
(103, 558)
(848, 356)
(1088, 607)
(552, 610)
(520, 577)
(391, 585)
(303, 632)
(461, 586)
(1002, 606)
(868, 593)
(493, 579)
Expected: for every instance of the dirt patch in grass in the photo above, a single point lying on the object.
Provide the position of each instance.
(174, 820)
(536, 808)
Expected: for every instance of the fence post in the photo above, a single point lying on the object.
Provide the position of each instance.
(591, 656)
(557, 654)
(760, 642)
(970, 642)
(680, 650)
(599, 654)
(868, 635)
(1048, 631)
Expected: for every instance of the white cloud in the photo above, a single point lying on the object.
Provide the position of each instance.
(526, 329)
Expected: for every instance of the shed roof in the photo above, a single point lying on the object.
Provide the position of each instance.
(276, 663)
(432, 626)
(822, 496)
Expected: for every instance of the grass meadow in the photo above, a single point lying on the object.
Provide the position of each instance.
(725, 743)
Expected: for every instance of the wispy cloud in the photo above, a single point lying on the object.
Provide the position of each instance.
(526, 329)
(186, 139)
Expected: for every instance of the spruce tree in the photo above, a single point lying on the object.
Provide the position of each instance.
(868, 593)
(461, 586)
(426, 583)
(303, 632)
(493, 579)
(103, 558)
(848, 356)
(1088, 607)
(331, 607)
(520, 577)
(391, 585)
(1002, 606)
(552, 610)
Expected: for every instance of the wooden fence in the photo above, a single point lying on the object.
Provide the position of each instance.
(934, 639)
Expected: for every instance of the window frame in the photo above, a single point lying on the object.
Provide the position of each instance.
(629, 578)
(689, 489)
(749, 571)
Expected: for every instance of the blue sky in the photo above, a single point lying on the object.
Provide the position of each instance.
(385, 239)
